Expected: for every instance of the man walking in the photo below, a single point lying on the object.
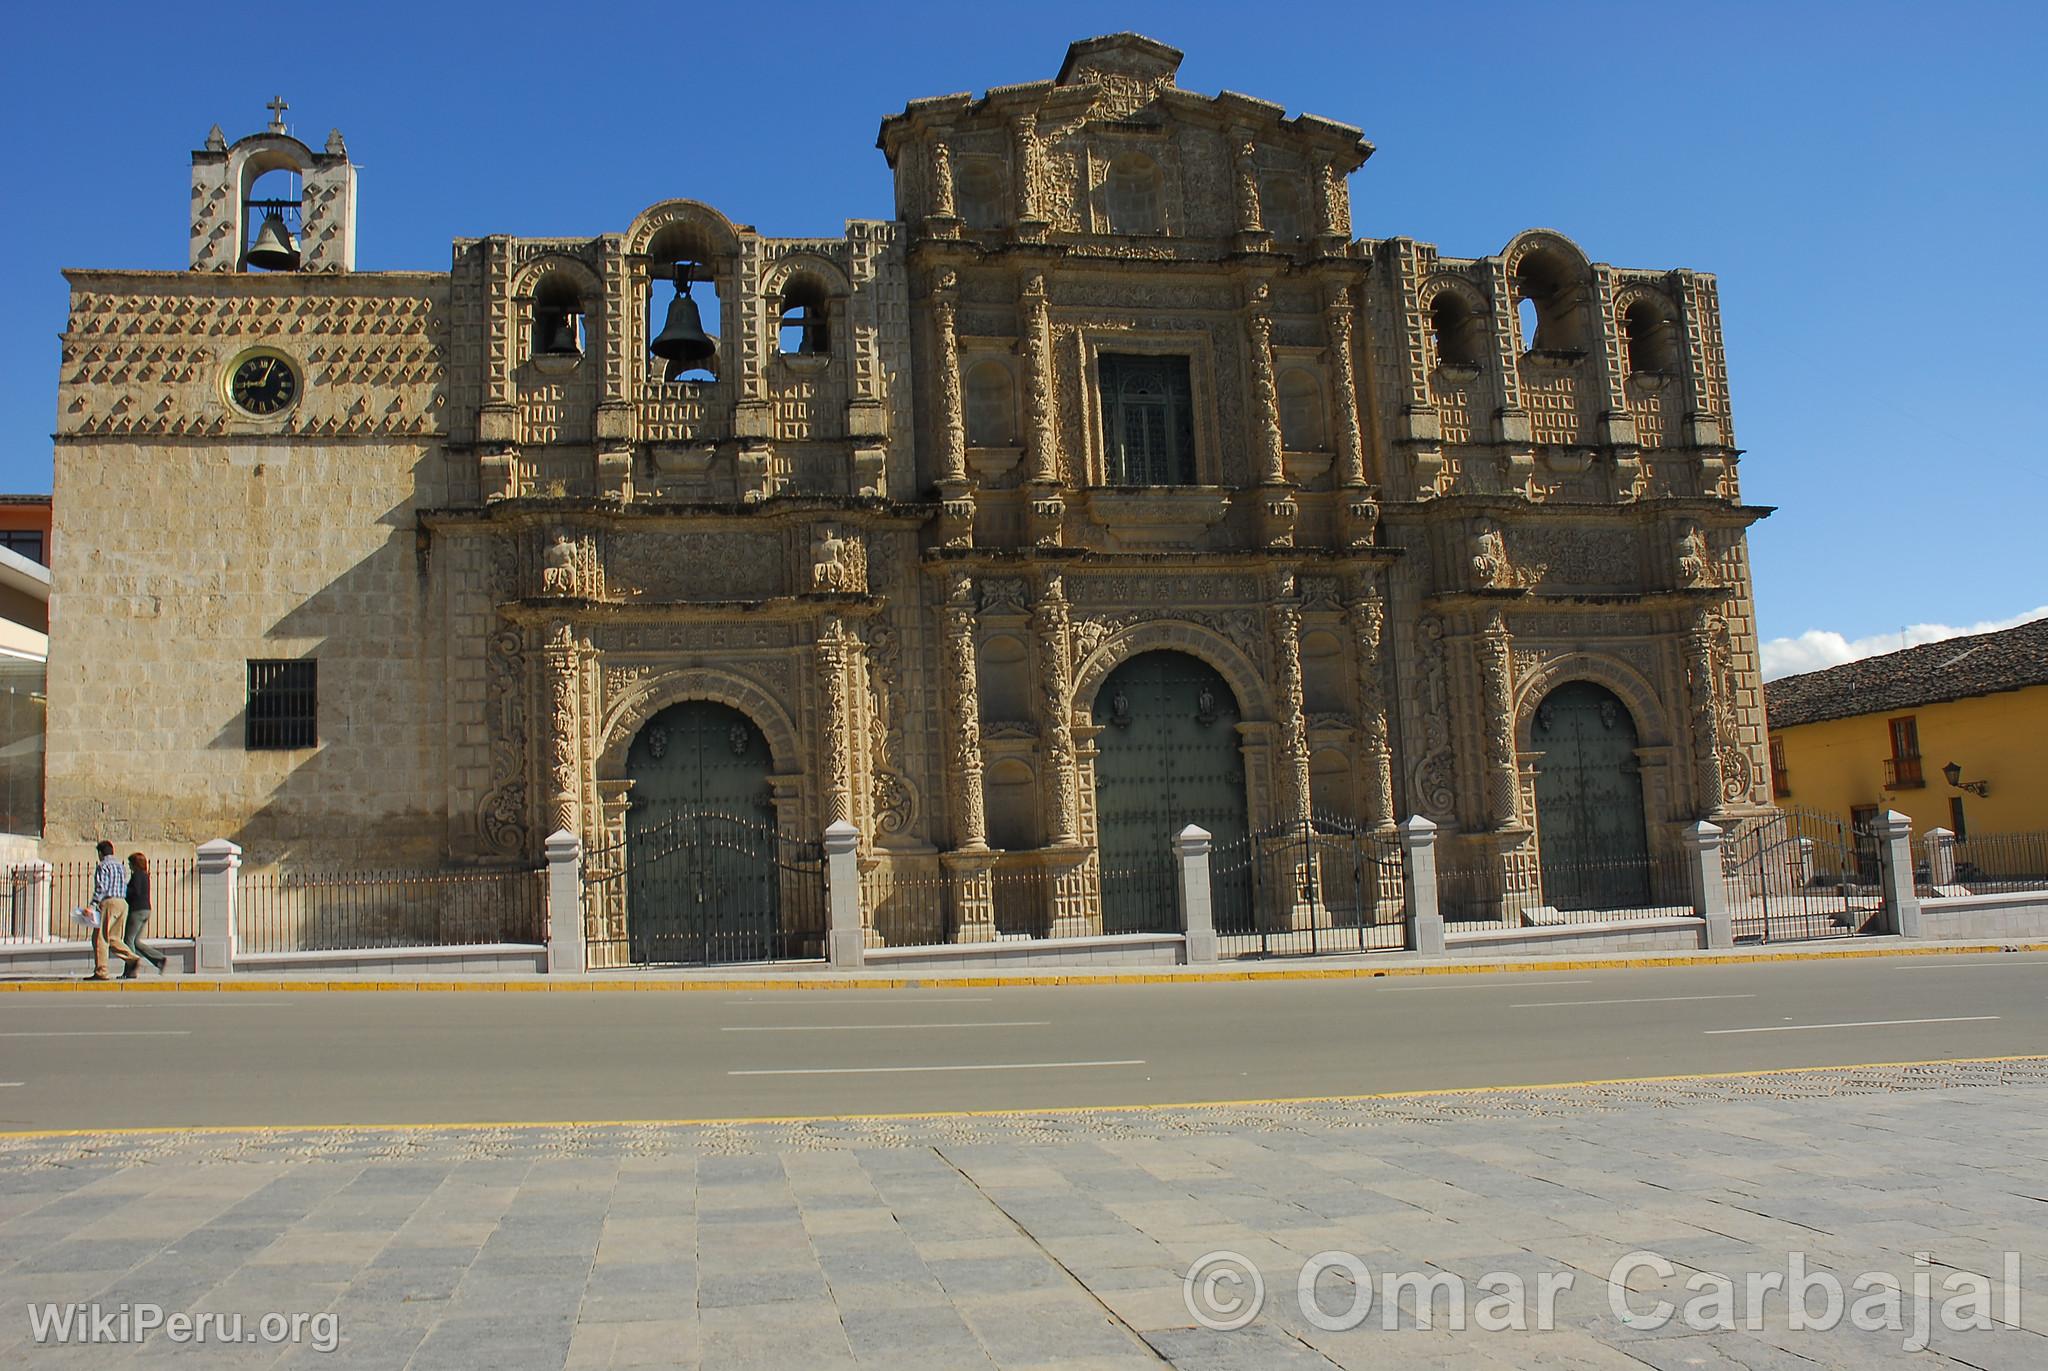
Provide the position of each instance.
(110, 897)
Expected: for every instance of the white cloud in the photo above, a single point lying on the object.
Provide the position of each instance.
(1818, 648)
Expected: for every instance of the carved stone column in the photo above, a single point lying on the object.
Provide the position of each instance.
(1368, 616)
(956, 507)
(1333, 225)
(1250, 221)
(835, 723)
(1496, 668)
(1024, 140)
(559, 662)
(963, 706)
(1047, 509)
(942, 183)
(1258, 325)
(1283, 626)
(1706, 719)
(1056, 681)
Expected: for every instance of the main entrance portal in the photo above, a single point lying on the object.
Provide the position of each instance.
(708, 876)
(1589, 801)
(1168, 757)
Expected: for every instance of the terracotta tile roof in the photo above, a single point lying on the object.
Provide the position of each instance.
(1952, 669)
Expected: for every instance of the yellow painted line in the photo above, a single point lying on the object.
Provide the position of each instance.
(1448, 1092)
(1014, 980)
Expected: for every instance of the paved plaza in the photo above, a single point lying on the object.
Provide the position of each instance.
(1055, 1239)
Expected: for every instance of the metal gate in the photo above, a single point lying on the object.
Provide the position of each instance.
(1797, 874)
(1590, 832)
(1306, 888)
(1168, 756)
(704, 887)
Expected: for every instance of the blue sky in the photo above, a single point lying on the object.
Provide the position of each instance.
(1866, 180)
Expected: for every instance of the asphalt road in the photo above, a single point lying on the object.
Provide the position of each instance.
(322, 1058)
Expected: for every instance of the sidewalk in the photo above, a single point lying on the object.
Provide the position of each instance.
(816, 976)
(1065, 1240)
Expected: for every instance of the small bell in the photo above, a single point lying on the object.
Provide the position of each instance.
(275, 249)
(556, 329)
(682, 342)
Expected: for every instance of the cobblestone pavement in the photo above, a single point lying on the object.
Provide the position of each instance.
(1062, 1239)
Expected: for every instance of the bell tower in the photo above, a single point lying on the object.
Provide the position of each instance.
(313, 229)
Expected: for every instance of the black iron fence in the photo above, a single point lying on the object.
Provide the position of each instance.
(1306, 888)
(1998, 863)
(1799, 874)
(1011, 897)
(1523, 892)
(690, 886)
(40, 900)
(1142, 895)
(310, 910)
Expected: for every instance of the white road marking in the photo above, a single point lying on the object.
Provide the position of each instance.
(886, 1070)
(795, 1001)
(1860, 1023)
(5, 1084)
(1653, 999)
(1504, 984)
(837, 1027)
(101, 1033)
(1937, 964)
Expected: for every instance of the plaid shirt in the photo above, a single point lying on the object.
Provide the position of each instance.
(110, 880)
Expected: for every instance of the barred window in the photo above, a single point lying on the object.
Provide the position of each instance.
(282, 705)
(1148, 422)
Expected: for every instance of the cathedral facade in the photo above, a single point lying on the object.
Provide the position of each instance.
(1112, 484)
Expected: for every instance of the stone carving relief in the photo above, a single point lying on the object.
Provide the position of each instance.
(1692, 559)
(1576, 555)
(674, 565)
(560, 572)
(838, 560)
(1434, 782)
(1004, 596)
(502, 817)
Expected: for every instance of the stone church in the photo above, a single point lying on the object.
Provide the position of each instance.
(1112, 484)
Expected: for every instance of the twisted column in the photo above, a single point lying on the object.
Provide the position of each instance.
(1503, 781)
(1344, 379)
(1376, 755)
(1040, 434)
(1258, 326)
(952, 410)
(1056, 681)
(558, 670)
(1706, 720)
(835, 727)
(963, 703)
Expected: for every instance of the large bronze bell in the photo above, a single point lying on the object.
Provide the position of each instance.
(557, 331)
(682, 342)
(275, 249)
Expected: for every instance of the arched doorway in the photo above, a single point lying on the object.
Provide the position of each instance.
(701, 845)
(1590, 833)
(1168, 756)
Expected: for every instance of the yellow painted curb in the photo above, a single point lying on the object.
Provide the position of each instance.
(1022, 980)
(1449, 1092)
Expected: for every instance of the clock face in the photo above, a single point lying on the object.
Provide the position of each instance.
(263, 384)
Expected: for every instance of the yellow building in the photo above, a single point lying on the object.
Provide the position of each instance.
(1953, 734)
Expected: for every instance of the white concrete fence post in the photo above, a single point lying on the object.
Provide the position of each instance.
(1418, 868)
(30, 915)
(845, 945)
(565, 901)
(1709, 889)
(1940, 845)
(220, 864)
(1191, 848)
(1895, 874)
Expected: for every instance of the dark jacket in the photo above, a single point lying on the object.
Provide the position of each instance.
(138, 892)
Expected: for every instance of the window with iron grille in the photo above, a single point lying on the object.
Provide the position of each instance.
(282, 704)
(1148, 421)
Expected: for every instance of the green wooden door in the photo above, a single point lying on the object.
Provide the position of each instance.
(1589, 801)
(700, 838)
(1168, 757)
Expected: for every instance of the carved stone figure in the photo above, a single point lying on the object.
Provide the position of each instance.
(558, 567)
(838, 560)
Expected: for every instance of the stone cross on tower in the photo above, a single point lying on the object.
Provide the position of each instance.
(277, 107)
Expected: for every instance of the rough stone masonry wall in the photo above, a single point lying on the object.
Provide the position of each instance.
(189, 540)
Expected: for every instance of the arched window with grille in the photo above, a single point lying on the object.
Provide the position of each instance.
(1148, 423)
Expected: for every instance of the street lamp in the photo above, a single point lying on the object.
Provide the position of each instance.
(1955, 778)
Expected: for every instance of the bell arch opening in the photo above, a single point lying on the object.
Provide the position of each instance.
(1592, 837)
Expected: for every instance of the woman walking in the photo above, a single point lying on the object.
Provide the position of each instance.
(138, 917)
(110, 899)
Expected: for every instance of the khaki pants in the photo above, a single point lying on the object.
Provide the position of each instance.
(113, 927)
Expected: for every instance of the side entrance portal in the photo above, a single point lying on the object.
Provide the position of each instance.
(709, 878)
(1169, 756)
(1590, 833)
